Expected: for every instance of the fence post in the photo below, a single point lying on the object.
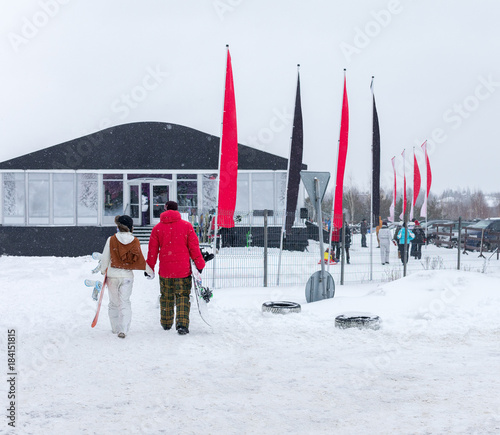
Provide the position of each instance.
(265, 248)
(459, 240)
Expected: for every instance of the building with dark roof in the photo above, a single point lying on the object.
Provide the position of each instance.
(62, 200)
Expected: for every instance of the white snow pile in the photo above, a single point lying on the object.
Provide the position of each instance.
(431, 368)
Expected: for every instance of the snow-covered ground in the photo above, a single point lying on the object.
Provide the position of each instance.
(432, 368)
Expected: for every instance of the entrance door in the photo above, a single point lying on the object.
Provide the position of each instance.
(160, 194)
(135, 205)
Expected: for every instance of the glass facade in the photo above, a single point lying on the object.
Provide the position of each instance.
(59, 198)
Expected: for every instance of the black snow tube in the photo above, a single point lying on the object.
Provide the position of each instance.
(357, 320)
(280, 307)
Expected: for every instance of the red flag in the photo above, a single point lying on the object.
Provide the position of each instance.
(416, 183)
(228, 166)
(343, 142)
(402, 215)
(428, 177)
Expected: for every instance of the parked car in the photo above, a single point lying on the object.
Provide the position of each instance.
(488, 229)
(431, 228)
(449, 232)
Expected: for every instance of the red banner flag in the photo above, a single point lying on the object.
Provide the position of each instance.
(416, 183)
(228, 165)
(423, 211)
(343, 142)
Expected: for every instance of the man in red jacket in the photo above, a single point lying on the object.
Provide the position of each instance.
(176, 243)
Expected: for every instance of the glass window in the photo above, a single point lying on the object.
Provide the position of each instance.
(187, 197)
(243, 195)
(38, 198)
(280, 190)
(63, 186)
(112, 176)
(134, 202)
(161, 194)
(262, 191)
(209, 186)
(113, 198)
(13, 198)
(87, 199)
(187, 177)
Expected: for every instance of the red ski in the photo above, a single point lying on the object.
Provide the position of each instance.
(96, 317)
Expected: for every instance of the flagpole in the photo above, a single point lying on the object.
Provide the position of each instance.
(371, 198)
(403, 212)
(214, 241)
(413, 199)
(283, 223)
(335, 185)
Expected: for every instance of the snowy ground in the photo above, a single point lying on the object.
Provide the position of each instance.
(431, 369)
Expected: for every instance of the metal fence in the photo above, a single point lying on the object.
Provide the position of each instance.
(260, 263)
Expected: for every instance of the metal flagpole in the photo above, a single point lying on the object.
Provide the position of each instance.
(335, 184)
(371, 202)
(214, 241)
(283, 231)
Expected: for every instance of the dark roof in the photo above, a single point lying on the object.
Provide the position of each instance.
(143, 145)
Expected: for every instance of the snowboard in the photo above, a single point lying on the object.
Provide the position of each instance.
(201, 294)
(99, 286)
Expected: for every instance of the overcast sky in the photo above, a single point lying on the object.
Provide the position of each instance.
(72, 67)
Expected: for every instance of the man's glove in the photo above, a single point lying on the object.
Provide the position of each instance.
(149, 276)
(207, 256)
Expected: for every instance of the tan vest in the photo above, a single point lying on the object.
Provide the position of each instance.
(126, 256)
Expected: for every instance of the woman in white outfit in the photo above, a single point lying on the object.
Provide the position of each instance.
(121, 255)
(385, 238)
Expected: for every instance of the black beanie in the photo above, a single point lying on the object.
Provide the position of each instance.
(171, 205)
(126, 221)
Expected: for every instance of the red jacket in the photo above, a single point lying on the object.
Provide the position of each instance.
(176, 242)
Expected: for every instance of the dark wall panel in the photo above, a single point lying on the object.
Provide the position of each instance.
(53, 241)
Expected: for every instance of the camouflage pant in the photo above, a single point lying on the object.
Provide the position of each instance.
(175, 291)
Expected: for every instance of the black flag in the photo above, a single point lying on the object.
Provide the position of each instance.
(376, 164)
(295, 162)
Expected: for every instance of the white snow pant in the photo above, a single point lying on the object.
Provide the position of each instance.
(385, 246)
(119, 308)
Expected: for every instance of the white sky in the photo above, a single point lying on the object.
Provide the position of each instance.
(68, 67)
